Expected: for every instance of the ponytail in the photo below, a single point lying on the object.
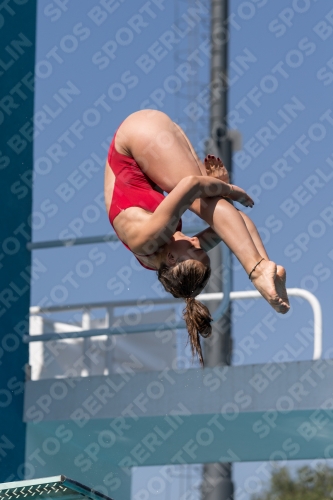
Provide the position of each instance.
(198, 322)
(185, 280)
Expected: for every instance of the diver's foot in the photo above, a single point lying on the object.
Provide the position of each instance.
(264, 279)
(215, 168)
(280, 284)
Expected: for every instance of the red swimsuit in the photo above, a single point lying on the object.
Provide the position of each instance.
(132, 188)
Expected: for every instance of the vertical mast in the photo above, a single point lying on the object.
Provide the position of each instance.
(217, 477)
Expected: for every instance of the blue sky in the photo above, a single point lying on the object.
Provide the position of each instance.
(100, 62)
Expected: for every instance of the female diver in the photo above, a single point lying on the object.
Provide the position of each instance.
(150, 154)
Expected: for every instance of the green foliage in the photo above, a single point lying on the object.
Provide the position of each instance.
(307, 484)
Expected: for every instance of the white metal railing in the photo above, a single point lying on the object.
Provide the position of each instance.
(292, 292)
(109, 306)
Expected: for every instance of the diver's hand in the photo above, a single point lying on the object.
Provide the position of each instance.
(238, 194)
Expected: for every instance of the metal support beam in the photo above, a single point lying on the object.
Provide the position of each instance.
(218, 348)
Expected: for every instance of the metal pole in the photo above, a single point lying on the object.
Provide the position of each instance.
(219, 75)
(217, 477)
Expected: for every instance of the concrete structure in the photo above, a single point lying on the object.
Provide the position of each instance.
(261, 412)
(17, 25)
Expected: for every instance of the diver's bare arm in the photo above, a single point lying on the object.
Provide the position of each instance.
(208, 239)
(163, 222)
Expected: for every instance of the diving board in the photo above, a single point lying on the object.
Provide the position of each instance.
(52, 488)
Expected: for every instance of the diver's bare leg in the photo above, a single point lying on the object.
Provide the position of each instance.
(215, 168)
(254, 235)
(229, 224)
(280, 280)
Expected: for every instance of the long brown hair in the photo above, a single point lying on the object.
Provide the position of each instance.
(185, 280)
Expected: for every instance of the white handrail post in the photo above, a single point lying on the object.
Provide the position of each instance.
(317, 318)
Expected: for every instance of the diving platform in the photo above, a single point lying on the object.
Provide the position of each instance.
(273, 411)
